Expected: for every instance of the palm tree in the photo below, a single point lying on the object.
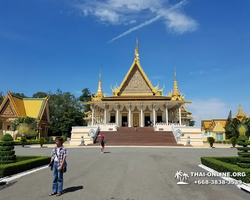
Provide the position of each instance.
(185, 176)
(23, 129)
(178, 175)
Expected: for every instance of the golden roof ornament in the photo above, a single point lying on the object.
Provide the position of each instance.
(99, 95)
(175, 94)
(240, 115)
(137, 51)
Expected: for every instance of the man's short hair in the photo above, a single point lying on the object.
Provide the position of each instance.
(60, 139)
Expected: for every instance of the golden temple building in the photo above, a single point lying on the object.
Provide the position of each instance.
(216, 127)
(13, 107)
(137, 103)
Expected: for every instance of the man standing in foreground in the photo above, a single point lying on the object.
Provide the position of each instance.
(58, 166)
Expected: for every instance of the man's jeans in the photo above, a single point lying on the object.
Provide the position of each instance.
(57, 186)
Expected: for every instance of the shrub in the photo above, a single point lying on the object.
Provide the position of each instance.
(242, 141)
(7, 153)
(42, 141)
(219, 164)
(211, 141)
(32, 134)
(24, 163)
(23, 141)
(64, 138)
(233, 140)
(51, 139)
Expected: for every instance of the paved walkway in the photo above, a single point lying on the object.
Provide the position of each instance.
(124, 174)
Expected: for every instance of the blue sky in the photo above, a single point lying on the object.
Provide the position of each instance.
(62, 44)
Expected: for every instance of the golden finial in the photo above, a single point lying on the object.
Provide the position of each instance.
(175, 74)
(99, 91)
(176, 90)
(136, 50)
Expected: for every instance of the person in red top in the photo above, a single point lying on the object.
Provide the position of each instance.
(102, 144)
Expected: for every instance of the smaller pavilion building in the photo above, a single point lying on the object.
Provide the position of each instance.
(13, 107)
(216, 127)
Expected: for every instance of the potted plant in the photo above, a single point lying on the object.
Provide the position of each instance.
(41, 141)
(211, 141)
(233, 140)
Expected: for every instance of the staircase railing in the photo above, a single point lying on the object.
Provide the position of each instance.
(174, 132)
(94, 133)
(177, 133)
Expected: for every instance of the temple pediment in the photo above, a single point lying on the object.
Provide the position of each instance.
(8, 111)
(136, 83)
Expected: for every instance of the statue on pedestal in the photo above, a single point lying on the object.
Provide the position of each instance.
(188, 140)
(82, 140)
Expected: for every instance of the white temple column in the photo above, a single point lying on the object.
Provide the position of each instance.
(141, 115)
(105, 114)
(166, 113)
(154, 114)
(117, 114)
(129, 115)
(93, 112)
(180, 114)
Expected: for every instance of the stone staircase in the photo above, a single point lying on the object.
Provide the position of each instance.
(141, 136)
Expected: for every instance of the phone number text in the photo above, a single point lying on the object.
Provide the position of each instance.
(218, 182)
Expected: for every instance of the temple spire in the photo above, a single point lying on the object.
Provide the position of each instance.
(240, 112)
(176, 90)
(100, 85)
(136, 50)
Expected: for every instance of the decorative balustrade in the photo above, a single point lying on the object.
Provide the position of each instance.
(177, 133)
(94, 132)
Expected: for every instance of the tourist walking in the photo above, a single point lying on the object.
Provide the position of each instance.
(58, 166)
(103, 141)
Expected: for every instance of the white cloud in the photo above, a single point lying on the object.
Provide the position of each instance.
(126, 12)
(204, 108)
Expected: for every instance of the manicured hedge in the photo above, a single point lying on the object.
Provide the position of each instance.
(29, 142)
(226, 164)
(23, 163)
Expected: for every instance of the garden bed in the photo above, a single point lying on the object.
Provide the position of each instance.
(23, 163)
(226, 164)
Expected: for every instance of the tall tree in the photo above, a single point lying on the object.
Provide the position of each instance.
(1, 97)
(65, 112)
(40, 95)
(85, 97)
(191, 123)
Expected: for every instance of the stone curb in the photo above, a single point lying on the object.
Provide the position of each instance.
(19, 175)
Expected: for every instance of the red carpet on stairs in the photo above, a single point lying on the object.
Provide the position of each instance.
(141, 136)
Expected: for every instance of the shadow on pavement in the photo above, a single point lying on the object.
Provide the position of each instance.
(72, 189)
(106, 152)
(7, 185)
